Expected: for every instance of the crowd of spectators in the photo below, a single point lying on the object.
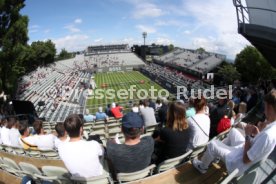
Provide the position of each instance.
(105, 60)
(180, 127)
(191, 59)
(170, 75)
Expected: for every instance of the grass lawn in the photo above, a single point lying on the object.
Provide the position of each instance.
(117, 81)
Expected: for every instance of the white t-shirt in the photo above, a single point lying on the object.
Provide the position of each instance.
(57, 141)
(0, 135)
(43, 142)
(81, 158)
(157, 106)
(5, 136)
(30, 139)
(198, 137)
(261, 146)
(14, 137)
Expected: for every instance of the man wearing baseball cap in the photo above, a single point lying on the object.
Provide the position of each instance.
(135, 153)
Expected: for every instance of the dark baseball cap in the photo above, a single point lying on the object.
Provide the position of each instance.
(132, 120)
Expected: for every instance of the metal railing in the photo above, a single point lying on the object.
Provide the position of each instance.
(243, 16)
(242, 13)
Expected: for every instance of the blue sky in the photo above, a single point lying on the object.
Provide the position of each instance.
(76, 24)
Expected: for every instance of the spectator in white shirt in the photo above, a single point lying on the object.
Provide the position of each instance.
(141, 104)
(14, 134)
(135, 108)
(239, 152)
(80, 157)
(42, 140)
(61, 134)
(1, 124)
(26, 141)
(199, 124)
(5, 131)
(158, 104)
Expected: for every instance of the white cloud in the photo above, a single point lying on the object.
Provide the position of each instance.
(146, 9)
(163, 41)
(98, 40)
(187, 32)
(168, 23)
(229, 44)
(207, 43)
(72, 42)
(78, 21)
(128, 40)
(72, 28)
(33, 28)
(147, 29)
(176, 9)
(219, 19)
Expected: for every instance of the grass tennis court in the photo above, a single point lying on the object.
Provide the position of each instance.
(118, 81)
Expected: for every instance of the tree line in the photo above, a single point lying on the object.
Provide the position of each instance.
(249, 67)
(17, 57)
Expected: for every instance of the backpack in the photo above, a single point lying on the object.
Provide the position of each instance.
(223, 124)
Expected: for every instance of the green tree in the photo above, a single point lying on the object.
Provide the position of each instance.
(13, 39)
(200, 50)
(229, 73)
(171, 47)
(64, 54)
(160, 51)
(253, 66)
(44, 52)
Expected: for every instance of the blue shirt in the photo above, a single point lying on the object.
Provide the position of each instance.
(100, 115)
(88, 118)
(190, 112)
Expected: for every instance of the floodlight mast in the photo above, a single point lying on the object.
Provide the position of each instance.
(144, 36)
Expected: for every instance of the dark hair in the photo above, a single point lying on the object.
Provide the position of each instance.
(23, 126)
(81, 117)
(273, 83)
(199, 103)
(4, 122)
(11, 121)
(191, 102)
(176, 118)
(37, 126)
(141, 102)
(146, 103)
(60, 129)
(16, 125)
(72, 125)
(131, 133)
(270, 99)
